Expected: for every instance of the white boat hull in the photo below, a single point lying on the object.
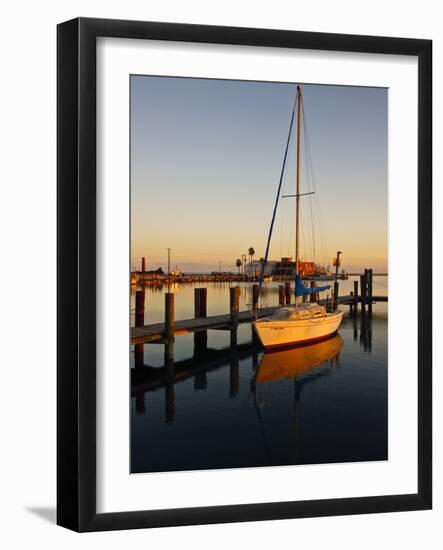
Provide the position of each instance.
(276, 334)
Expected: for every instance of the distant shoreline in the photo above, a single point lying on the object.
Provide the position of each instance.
(374, 274)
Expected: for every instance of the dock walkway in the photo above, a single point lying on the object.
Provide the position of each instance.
(155, 333)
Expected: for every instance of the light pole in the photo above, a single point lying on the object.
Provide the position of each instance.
(337, 263)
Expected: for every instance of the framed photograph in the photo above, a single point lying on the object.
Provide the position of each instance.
(244, 274)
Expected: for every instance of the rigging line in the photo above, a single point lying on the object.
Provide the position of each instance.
(309, 179)
(276, 201)
(322, 233)
(312, 238)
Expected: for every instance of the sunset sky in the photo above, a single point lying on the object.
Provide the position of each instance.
(206, 157)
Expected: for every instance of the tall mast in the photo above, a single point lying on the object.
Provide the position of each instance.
(297, 197)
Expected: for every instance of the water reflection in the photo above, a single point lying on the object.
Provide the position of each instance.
(290, 363)
(293, 363)
(274, 365)
(252, 401)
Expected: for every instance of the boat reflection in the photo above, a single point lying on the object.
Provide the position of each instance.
(293, 362)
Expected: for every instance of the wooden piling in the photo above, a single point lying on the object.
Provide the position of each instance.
(313, 297)
(234, 304)
(288, 293)
(254, 295)
(169, 315)
(281, 295)
(143, 264)
(139, 349)
(369, 275)
(139, 308)
(335, 304)
(363, 289)
(200, 302)
(355, 297)
(200, 310)
(203, 302)
(196, 303)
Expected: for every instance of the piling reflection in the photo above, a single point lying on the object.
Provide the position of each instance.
(362, 330)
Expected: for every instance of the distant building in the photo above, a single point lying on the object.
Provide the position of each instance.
(255, 267)
(286, 268)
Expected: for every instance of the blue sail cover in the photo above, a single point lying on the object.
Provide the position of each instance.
(301, 290)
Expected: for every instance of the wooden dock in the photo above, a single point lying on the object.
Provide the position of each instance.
(155, 333)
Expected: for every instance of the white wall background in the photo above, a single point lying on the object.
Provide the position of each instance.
(27, 289)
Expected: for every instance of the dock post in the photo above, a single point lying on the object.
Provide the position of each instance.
(234, 306)
(169, 315)
(139, 308)
(312, 298)
(139, 322)
(234, 298)
(288, 293)
(363, 289)
(254, 305)
(335, 305)
(203, 302)
(143, 264)
(200, 310)
(369, 291)
(200, 302)
(355, 297)
(196, 302)
(169, 326)
(281, 295)
(254, 295)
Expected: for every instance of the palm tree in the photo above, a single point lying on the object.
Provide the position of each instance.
(238, 264)
(251, 252)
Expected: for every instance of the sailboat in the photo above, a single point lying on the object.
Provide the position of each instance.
(304, 322)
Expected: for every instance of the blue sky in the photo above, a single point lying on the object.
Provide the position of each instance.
(206, 157)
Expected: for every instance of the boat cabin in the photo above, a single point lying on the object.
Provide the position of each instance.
(303, 311)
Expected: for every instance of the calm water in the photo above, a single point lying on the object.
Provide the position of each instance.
(224, 407)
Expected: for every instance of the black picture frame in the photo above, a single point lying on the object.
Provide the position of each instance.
(76, 281)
